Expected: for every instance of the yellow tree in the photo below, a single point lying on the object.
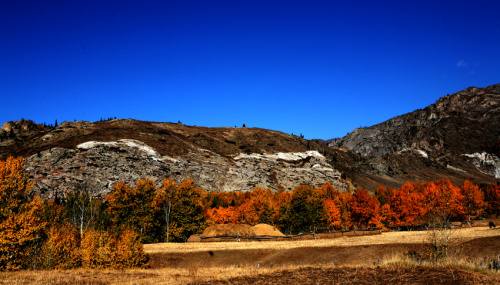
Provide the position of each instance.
(97, 250)
(60, 251)
(130, 251)
(21, 227)
(134, 208)
(14, 187)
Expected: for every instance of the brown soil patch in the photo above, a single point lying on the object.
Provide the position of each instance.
(486, 248)
(369, 276)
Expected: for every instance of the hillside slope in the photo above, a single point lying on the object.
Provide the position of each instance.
(219, 159)
(457, 137)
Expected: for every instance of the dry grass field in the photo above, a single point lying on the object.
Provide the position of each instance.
(377, 259)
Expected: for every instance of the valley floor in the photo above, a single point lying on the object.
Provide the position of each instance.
(361, 260)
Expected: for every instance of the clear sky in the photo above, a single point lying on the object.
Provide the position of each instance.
(320, 68)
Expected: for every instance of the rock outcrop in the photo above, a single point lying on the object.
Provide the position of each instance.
(103, 163)
(447, 139)
(465, 122)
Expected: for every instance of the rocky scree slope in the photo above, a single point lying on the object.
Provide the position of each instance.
(457, 138)
(85, 154)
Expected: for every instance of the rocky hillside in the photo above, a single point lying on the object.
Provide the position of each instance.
(218, 159)
(456, 138)
(453, 138)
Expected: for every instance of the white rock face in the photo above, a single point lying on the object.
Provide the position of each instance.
(144, 148)
(486, 162)
(422, 153)
(287, 156)
(281, 171)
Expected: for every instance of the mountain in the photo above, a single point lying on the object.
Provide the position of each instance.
(77, 154)
(457, 137)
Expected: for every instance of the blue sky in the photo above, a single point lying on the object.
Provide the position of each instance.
(320, 68)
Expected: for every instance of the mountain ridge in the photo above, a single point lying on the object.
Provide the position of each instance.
(457, 138)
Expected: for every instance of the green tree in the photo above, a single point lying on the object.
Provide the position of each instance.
(187, 216)
(304, 213)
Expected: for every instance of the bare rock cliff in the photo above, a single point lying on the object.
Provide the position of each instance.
(453, 138)
(466, 121)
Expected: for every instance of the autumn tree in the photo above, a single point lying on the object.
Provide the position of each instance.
(264, 206)
(449, 203)
(473, 199)
(22, 236)
(248, 213)
(332, 214)
(133, 208)
(384, 195)
(129, 251)
(223, 215)
(21, 228)
(163, 203)
(97, 249)
(61, 249)
(405, 206)
(492, 198)
(14, 187)
(364, 209)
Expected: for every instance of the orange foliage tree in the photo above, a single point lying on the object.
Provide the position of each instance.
(365, 209)
(405, 206)
(222, 215)
(449, 202)
(332, 214)
(473, 199)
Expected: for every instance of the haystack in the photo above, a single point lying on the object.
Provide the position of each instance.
(194, 238)
(267, 230)
(228, 230)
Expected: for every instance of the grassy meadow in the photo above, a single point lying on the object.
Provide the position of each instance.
(348, 260)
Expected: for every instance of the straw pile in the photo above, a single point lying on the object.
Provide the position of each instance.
(228, 230)
(194, 238)
(267, 230)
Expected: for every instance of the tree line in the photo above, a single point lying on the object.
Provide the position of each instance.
(83, 229)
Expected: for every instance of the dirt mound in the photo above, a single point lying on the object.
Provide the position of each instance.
(228, 230)
(267, 230)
